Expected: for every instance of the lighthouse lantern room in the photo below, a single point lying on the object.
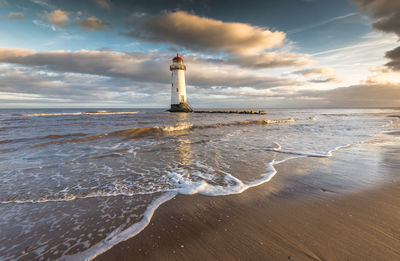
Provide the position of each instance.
(178, 86)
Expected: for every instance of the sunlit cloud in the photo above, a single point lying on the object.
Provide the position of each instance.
(94, 24)
(319, 74)
(57, 17)
(15, 16)
(246, 45)
(195, 32)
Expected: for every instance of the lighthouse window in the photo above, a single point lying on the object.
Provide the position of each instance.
(177, 89)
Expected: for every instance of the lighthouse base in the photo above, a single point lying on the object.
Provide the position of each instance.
(181, 107)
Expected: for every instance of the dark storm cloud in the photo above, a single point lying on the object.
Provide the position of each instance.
(394, 56)
(387, 19)
(386, 13)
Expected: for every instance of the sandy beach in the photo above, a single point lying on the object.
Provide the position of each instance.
(346, 207)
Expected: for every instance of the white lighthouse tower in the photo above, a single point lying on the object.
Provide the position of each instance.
(178, 87)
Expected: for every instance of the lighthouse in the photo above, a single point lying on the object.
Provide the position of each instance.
(178, 86)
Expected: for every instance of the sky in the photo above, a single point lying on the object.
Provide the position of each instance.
(239, 54)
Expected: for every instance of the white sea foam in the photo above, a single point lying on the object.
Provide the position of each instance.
(65, 198)
(179, 127)
(185, 186)
(119, 236)
(306, 153)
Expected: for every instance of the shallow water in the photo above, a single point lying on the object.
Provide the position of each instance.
(73, 184)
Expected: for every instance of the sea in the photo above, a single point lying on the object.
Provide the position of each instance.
(75, 182)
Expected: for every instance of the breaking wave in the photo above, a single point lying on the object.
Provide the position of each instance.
(164, 130)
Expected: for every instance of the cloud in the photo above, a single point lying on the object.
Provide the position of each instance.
(364, 95)
(261, 61)
(319, 74)
(394, 56)
(137, 15)
(325, 80)
(14, 53)
(15, 16)
(3, 3)
(201, 33)
(233, 78)
(270, 60)
(43, 3)
(382, 75)
(43, 24)
(387, 19)
(386, 13)
(244, 44)
(57, 17)
(23, 86)
(143, 78)
(103, 4)
(355, 96)
(328, 21)
(142, 67)
(94, 24)
(313, 71)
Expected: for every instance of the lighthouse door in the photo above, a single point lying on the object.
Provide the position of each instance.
(181, 98)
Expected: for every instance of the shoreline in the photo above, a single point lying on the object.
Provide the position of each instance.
(301, 214)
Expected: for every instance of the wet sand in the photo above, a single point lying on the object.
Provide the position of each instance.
(346, 207)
